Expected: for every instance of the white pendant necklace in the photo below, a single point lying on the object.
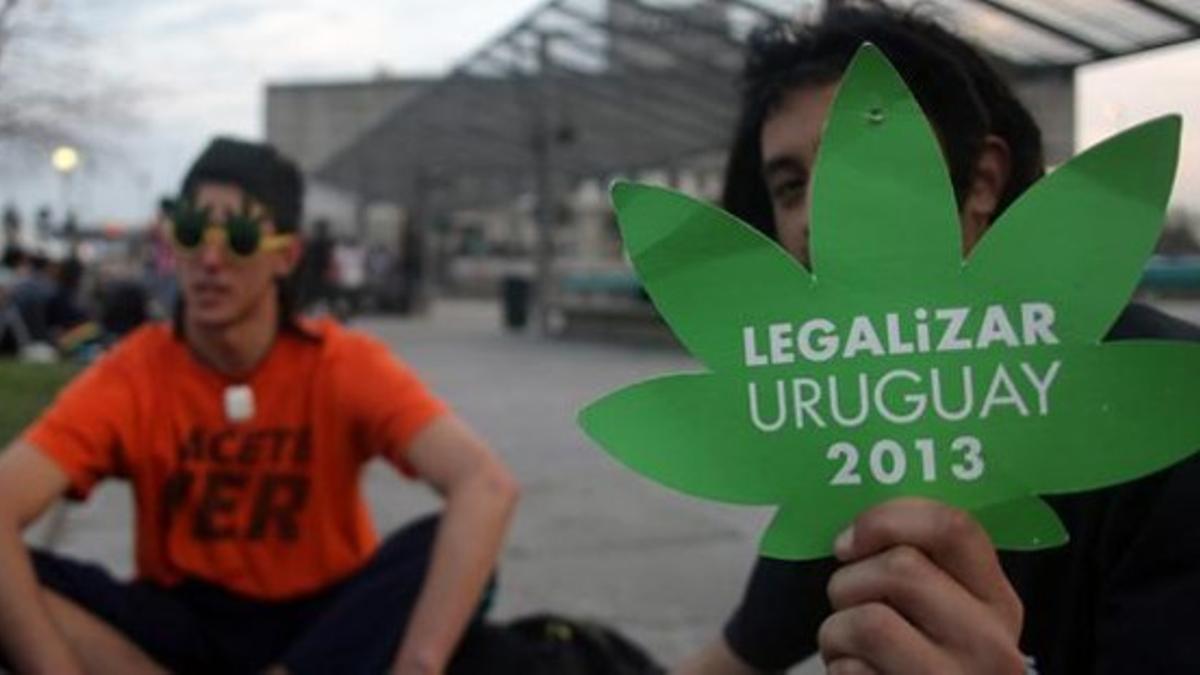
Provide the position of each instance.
(239, 403)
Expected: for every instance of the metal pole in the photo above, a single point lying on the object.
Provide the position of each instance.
(546, 212)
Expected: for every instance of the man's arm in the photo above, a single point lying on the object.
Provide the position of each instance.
(716, 658)
(480, 496)
(29, 484)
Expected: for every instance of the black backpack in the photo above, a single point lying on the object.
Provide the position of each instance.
(547, 644)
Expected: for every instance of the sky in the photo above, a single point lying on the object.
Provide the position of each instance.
(199, 67)
(1119, 94)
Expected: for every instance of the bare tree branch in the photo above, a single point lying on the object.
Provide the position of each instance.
(6, 10)
(49, 94)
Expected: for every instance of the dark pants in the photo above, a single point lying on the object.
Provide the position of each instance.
(354, 626)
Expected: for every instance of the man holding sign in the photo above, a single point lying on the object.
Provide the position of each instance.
(916, 586)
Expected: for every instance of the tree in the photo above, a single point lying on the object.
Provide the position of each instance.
(48, 94)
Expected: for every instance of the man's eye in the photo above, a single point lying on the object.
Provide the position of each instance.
(789, 193)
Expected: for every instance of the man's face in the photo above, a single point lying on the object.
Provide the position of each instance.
(219, 287)
(790, 137)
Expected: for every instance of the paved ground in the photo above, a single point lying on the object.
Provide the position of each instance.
(591, 539)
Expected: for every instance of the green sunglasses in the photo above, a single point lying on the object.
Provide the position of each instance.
(241, 232)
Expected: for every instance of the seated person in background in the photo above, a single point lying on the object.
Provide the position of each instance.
(63, 311)
(32, 291)
(243, 431)
(916, 587)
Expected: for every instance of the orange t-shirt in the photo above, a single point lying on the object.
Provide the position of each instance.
(269, 507)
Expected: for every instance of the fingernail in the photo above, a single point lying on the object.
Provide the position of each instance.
(843, 546)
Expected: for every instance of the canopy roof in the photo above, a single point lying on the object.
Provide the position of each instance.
(592, 88)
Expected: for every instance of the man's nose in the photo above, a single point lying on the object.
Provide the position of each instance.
(211, 253)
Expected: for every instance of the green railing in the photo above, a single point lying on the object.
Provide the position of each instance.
(1180, 273)
(1172, 274)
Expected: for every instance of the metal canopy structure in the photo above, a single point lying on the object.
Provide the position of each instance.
(1067, 33)
(587, 86)
(592, 88)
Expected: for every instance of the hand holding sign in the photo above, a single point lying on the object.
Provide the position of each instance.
(895, 368)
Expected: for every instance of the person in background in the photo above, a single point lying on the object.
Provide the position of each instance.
(32, 290)
(13, 332)
(160, 265)
(316, 267)
(63, 311)
(243, 430)
(350, 260)
(10, 221)
(916, 586)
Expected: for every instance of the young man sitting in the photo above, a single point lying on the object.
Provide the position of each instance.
(243, 431)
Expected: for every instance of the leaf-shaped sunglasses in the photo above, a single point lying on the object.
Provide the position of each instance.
(241, 231)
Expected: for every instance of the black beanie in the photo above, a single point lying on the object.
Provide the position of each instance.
(256, 168)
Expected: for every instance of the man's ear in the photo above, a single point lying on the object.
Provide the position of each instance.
(988, 182)
(289, 257)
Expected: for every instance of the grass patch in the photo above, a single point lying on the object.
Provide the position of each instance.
(25, 390)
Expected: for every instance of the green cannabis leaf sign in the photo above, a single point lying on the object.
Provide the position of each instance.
(895, 367)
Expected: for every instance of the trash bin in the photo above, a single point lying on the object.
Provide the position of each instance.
(515, 296)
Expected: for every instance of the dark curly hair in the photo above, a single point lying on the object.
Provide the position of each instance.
(964, 96)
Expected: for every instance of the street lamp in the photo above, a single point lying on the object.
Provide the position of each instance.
(65, 160)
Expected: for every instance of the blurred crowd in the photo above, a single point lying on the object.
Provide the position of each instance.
(68, 293)
(54, 304)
